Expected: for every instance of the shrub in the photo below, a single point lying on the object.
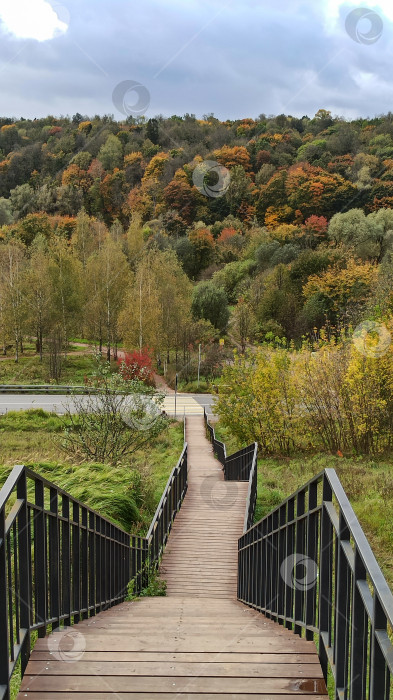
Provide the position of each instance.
(137, 366)
(335, 398)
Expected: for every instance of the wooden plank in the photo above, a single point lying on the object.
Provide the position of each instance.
(174, 684)
(151, 669)
(202, 644)
(185, 657)
(102, 695)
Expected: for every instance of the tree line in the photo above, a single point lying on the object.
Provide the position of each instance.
(300, 239)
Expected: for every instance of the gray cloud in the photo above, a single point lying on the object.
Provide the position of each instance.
(251, 57)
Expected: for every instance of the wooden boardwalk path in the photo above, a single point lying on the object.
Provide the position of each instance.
(199, 642)
(200, 559)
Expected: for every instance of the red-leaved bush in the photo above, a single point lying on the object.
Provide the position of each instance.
(137, 366)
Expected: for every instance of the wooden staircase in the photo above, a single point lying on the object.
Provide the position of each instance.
(197, 643)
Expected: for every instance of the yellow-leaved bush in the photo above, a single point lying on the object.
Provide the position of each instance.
(335, 398)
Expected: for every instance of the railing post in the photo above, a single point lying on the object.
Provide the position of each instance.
(40, 560)
(92, 577)
(84, 563)
(54, 558)
(24, 592)
(325, 579)
(300, 550)
(4, 625)
(342, 619)
(76, 588)
(358, 634)
(312, 546)
(281, 558)
(66, 560)
(378, 681)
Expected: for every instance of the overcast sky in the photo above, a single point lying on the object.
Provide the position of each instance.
(235, 58)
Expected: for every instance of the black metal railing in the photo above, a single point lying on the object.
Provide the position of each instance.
(61, 562)
(308, 566)
(252, 491)
(168, 506)
(237, 467)
(46, 389)
(241, 466)
(218, 446)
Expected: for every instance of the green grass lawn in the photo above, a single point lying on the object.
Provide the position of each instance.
(29, 369)
(128, 494)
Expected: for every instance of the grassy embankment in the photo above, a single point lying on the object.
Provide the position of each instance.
(128, 493)
(29, 370)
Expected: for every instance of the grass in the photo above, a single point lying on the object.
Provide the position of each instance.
(128, 494)
(29, 370)
(194, 388)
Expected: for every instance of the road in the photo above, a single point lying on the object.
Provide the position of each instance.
(190, 404)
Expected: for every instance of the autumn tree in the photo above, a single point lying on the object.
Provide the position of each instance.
(243, 324)
(344, 287)
(210, 303)
(111, 153)
(65, 272)
(158, 307)
(108, 277)
(13, 309)
(37, 290)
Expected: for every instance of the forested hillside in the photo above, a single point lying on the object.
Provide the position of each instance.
(126, 232)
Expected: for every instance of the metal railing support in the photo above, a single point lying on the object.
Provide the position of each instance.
(308, 565)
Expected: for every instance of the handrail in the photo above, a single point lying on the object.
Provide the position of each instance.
(309, 566)
(61, 561)
(46, 389)
(240, 466)
(252, 491)
(218, 446)
(55, 389)
(168, 506)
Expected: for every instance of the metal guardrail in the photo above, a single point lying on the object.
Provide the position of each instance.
(168, 506)
(61, 561)
(308, 566)
(241, 466)
(218, 446)
(46, 389)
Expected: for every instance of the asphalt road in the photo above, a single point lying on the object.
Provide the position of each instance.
(190, 404)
